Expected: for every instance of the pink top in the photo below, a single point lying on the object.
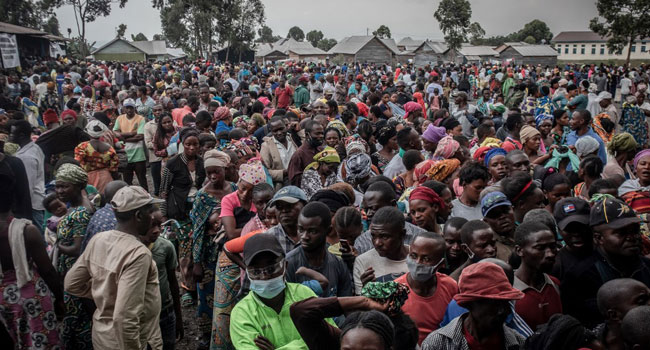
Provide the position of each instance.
(228, 204)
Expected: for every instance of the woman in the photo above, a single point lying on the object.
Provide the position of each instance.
(448, 148)
(430, 139)
(204, 248)
(622, 150)
(424, 205)
(27, 278)
(322, 172)
(523, 194)
(164, 133)
(106, 104)
(531, 140)
(97, 158)
(182, 176)
(237, 209)
(556, 186)
(544, 123)
(87, 102)
(255, 122)
(332, 137)
(636, 192)
(560, 128)
(604, 127)
(633, 121)
(71, 180)
(495, 161)
(589, 171)
(387, 138)
(413, 111)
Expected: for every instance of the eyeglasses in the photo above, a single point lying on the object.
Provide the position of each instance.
(260, 273)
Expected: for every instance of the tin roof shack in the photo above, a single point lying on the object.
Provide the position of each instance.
(122, 50)
(543, 55)
(31, 43)
(365, 49)
(429, 52)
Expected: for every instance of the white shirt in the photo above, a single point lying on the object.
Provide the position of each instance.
(33, 158)
(285, 152)
(625, 86)
(394, 167)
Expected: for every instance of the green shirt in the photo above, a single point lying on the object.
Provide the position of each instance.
(251, 318)
(134, 150)
(164, 255)
(301, 96)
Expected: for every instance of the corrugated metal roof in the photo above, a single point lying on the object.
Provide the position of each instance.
(477, 51)
(410, 44)
(436, 46)
(152, 47)
(289, 44)
(578, 36)
(535, 50)
(14, 29)
(391, 45)
(352, 45)
(111, 43)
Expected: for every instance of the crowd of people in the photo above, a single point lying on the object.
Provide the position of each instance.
(312, 206)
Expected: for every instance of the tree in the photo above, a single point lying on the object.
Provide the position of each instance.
(314, 37)
(266, 35)
(326, 44)
(476, 33)
(27, 13)
(296, 33)
(159, 37)
(624, 21)
(52, 26)
(530, 39)
(454, 18)
(139, 37)
(382, 32)
(536, 29)
(121, 30)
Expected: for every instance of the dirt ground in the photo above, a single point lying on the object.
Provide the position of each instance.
(191, 327)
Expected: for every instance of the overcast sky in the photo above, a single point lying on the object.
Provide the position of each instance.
(341, 18)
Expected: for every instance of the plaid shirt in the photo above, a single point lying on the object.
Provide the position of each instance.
(285, 241)
(102, 220)
(364, 241)
(450, 337)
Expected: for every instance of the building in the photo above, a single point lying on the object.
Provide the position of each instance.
(122, 50)
(289, 49)
(585, 46)
(365, 49)
(408, 44)
(429, 53)
(21, 43)
(471, 54)
(543, 55)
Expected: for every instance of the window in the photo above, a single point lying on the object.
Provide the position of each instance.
(602, 49)
(566, 50)
(559, 49)
(633, 48)
(593, 49)
(575, 49)
(643, 49)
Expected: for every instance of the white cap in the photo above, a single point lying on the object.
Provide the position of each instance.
(131, 198)
(128, 103)
(604, 95)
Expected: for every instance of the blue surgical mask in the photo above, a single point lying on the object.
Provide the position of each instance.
(421, 272)
(268, 289)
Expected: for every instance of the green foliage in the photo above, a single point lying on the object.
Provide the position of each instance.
(296, 33)
(52, 26)
(121, 30)
(534, 32)
(265, 35)
(314, 37)
(139, 37)
(159, 37)
(27, 13)
(383, 32)
(454, 18)
(624, 20)
(530, 40)
(326, 44)
(476, 32)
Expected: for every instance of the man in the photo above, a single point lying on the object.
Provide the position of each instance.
(479, 242)
(403, 96)
(261, 320)
(32, 157)
(407, 139)
(434, 86)
(572, 217)
(580, 125)
(314, 223)
(464, 113)
(315, 89)
(304, 155)
(454, 255)
(498, 213)
(204, 95)
(129, 127)
(277, 150)
(486, 293)
(636, 328)
(117, 271)
(283, 94)
(517, 160)
(288, 203)
(536, 245)
(431, 291)
(474, 178)
(617, 255)
(301, 94)
(580, 100)
(387, 260)
(380, 195)
(601, 81)
(190, 107)
(513, 125)
(104, 218)
(615, 299)
(155, 162)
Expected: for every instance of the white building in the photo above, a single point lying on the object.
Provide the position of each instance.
(589, 46)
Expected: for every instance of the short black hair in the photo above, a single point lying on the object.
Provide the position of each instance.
(592, 166)
(203, 116)
(411, 158)
(514, 186)
(318, 209)
(22, 127)
(205, 138)
(468, 229)
(549, 181)
(262, 187)
(374, 321)
(430, 235)
(347, 217)
(483, 130)
(387, 192)
(404, 137)
(514, 119)
(526, 229)
(310, 125)
(599, 185)
(472, 171)
(436, 186)
(347, 116)
(636, 326)
(49, 199)
(455, 222)
(237, 133)
(379, 178)
(389, 216)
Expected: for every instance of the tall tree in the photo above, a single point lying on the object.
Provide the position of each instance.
(159, 37)
(27, 13)
(121, 30)
(538, 30)
(52, 26)
(624, 21)
(454, 18)
(326, 44)
(251, 16)
(265, 35)
(476, 33)
(296, 33)
(139, 37)
(314, 37)
(383, 32)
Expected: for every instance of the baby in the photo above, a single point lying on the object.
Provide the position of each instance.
(58, 209)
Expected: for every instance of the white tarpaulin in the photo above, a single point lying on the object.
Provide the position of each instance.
(9, 50)
(56, 50)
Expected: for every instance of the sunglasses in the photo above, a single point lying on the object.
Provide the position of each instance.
(260, 273)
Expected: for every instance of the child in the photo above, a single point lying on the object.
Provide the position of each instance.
(54, 205)
(206, 142)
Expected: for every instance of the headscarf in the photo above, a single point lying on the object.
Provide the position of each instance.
(434, 133)
(491, 142)
(494, 152)
(217, 158)
(447, 147)
(95, 129)
(557, 157)
(435, 170)
(355, 143)
(252, 172)
(586, 145)
(363, 109)
(333, 199)
(527, 133)
(265, 101)
(428, 195)
(542, 117)
(222, 113)
(338, 125)
(623, 142)
(357, 166)
(72, 173)
(639, 156)
(69, 112)
(49, 117)
(479, 154)
(411, 107)
(327, 155)
(244, 146)
(385, 134)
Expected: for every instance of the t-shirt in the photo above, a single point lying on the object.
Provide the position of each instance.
(135, 151)
(385, 269)
(228, 204)
(427, 312)
(164, 254)
(283, 96)
(464, 211)
(581, 101)
(333, 268)
(537, 306)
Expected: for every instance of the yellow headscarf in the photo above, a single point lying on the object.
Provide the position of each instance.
(328, 155)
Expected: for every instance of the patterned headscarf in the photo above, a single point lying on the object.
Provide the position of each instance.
(479, 154)
(491, 142)
(328, 155)
(222, 113)
(434, 133)
(252, 172)
(411, 107)
(355, 143)
(338, 125)
(494, 152)
(96, 129)
(447, 147)
(385, 134)
(243, 147)
(435, 170)
(357, 166)
(542, 117)
(72, 173)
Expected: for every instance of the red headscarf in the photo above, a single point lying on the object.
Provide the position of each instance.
(428, 195)
(49, 116)
(69, 112)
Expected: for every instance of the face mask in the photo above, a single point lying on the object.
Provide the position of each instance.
(471, 255)
(268, 289)
(421, 272)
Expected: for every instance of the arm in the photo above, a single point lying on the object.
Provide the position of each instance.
(129, 302)
(35, 247)
(267, 160)
(171, 265)
(314, 275)
(230, 224)
(148, 137)
(135, 138)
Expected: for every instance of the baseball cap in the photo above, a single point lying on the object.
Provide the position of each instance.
(128, 103)
(260, 243)
(329, 91)
(132, 197)
(612, 212)
(493, 200)
(572, 209)
(289, 194)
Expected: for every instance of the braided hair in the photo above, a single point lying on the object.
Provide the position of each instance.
(347, 217)
(374, 321)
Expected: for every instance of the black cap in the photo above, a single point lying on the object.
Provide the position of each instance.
(612, 212)
(260, 243)
(572, 209)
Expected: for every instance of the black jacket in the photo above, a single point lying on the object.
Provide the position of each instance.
(177, 183)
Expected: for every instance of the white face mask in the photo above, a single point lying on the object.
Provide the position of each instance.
(268, 289)
(421, 272)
